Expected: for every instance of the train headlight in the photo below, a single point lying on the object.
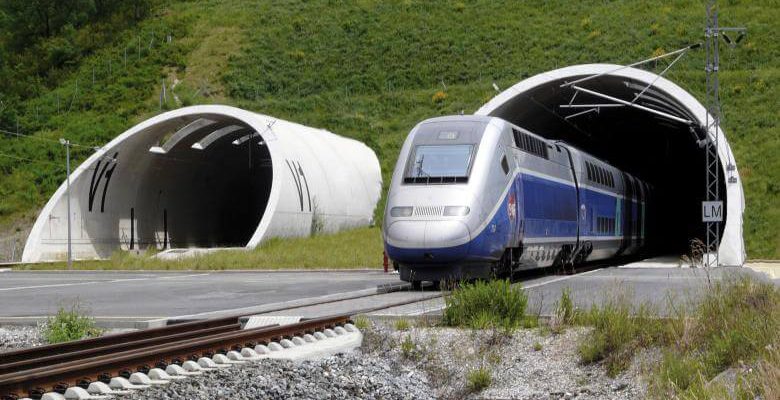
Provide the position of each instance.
(456, 211)
(401, 211)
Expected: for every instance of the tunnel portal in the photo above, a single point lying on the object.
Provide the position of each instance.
(662, 151)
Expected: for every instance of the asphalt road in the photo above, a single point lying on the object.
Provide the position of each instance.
(155, 295)
(146, 296)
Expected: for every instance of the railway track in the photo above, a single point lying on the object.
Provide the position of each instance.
(55, 368)
(34, 372)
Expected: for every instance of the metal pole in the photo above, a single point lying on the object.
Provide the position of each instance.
(66, 143)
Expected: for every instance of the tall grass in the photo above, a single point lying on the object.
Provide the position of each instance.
(620, 329)
(356, 248)
(735, 324)
(482, 305)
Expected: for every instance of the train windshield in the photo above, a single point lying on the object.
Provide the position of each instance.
(448, 163)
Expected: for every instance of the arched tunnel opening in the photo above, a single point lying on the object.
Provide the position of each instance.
(661, 151)
(195, 181)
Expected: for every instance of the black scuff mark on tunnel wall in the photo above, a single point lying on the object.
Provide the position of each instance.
(106, 173)
(300, 180)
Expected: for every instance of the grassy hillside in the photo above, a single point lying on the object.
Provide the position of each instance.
(370, 70)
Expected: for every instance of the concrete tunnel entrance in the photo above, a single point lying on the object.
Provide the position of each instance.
(207, 176)
(195, 195)
(659, 150)
(201, 180)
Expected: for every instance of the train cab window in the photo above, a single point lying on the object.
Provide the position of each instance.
(440, 164)
(504, 165)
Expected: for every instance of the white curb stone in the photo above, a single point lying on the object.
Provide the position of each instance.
(329, 333)
(120, 383)
(298, 341)
(350, 328)
(139, 378)
(222, 359)
(262, 349)
(79, 393)
(249, 354)
(99, 388)
(180, 370)
(286, 343)
(309, 338)
(158, 374)
(192, 366)
(52, 396)
(340, 331)
(273, 346)
(209, 364)
(319, 335)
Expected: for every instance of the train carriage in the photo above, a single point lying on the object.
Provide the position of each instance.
(473, 196)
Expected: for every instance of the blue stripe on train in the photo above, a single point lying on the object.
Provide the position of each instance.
(548, 209)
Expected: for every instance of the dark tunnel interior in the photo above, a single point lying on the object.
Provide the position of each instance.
(213, 197)
(661, 151)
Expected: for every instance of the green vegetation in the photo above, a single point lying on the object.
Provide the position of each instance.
(537, 346)
(483, 305)
(357, 248)
(401, 324)
(734, 325)
(619, 330)
(69, 324)
(362, 322)
(408, 348)
(479, 379)
(369, 70)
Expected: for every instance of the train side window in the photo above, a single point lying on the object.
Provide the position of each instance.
(504, 165)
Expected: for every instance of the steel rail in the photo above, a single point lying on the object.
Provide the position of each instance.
(68, 347)
(37, 381)
(60, 358)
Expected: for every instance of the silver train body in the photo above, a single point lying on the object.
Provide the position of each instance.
(473, 196)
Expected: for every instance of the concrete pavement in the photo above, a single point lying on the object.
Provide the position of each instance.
(152, 295)
(121, 299)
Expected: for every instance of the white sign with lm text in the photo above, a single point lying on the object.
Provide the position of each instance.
(712, 211)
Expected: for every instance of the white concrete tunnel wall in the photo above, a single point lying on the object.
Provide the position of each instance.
(316, 177)
(732, 249)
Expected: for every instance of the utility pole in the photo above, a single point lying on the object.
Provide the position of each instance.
(712, 207)
(66, 143)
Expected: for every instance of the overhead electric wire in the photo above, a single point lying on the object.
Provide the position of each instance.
(43, 139)
(30, 159)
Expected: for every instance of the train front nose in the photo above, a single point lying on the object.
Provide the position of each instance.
(427, 241)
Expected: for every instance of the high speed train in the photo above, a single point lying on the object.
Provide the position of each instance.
(475, 197)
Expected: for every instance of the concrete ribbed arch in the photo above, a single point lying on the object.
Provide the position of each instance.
(180, 172)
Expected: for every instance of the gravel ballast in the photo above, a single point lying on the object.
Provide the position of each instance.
(345, 376)
(528, 364)
(19, 337)
(416, 363)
